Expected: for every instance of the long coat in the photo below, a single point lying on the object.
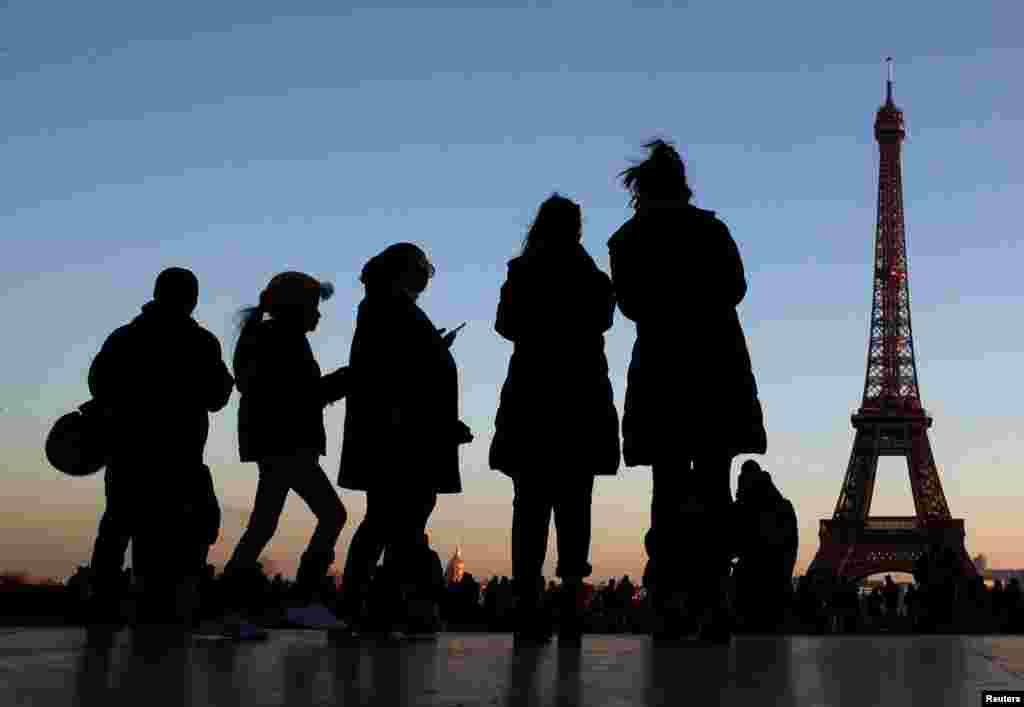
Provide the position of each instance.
(283, 392)
(690, 389)
(160, 376)
(557, 407)
(401, 427)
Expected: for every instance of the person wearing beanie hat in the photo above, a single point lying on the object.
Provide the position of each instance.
(402, 429)
(281, 428)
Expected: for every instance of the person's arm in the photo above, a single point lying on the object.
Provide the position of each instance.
(627, 278)
(733, 285)
(219, 383)
(603, 305)
(106, 371)
(335, 386)
(505, 322)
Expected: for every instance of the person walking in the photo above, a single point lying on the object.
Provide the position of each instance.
(157, 379)
(281, 429)
(556, 427)
(691, 399)
(402, 429)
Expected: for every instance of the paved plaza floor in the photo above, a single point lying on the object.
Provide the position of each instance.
(53, 667)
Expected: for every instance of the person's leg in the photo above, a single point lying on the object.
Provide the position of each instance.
(572, 509)
(420, 607)
(240, 588)
(573, 502)
(711, 521)
(110, 549)
(363, 553)
(669, 486)
(271, 492)
(312, 485)
(531, 520)
(163, 546)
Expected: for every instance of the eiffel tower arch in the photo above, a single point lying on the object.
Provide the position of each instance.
(891, 420)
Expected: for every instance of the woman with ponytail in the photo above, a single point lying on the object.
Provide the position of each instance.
(691, 399)
(281, 428)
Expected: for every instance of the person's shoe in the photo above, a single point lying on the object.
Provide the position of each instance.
(314, 616)
(237, 627)
(717, 628)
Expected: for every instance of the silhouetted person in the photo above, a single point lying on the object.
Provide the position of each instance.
(158, 378)
(891, 595)
(691, 400)
(281, 427)
(424, 599)
(556, 425)
(402, 430)
(766, 544)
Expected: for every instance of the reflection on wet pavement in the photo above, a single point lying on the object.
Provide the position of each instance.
(58, 667)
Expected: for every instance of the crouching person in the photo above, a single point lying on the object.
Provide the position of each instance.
(767, 546)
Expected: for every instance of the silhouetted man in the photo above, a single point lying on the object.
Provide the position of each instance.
(158, 378)
(766, 546)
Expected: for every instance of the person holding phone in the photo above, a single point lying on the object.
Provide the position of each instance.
(556, 426)
(402, 430)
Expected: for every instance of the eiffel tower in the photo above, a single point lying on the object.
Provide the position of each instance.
(891, 420)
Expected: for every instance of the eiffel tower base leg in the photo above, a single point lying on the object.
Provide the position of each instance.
(851, 550)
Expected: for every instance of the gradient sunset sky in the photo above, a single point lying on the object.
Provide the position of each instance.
(244, 138)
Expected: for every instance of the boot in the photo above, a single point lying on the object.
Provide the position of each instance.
(533, 626)
(570, 620)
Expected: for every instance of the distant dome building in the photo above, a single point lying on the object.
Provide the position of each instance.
(981, 563)
(456, 567)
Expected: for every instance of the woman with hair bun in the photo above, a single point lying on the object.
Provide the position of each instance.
(691, 399)
(281, 428)
(402, 433)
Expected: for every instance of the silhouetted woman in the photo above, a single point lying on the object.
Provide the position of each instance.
(691, 400)
(402, 430)
(281, 427)
(556, 426)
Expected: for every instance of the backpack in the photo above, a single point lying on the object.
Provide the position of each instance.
(77, 442)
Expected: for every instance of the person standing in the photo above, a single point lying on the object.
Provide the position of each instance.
(402, 430)
(691, 399)
(158, 378)
(556, 427)
(281, 428)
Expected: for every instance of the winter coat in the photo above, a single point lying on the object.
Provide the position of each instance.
(283, 392)
(159, 377)
(402, 412)
(556, 411)
(690, 388)
(767, 537)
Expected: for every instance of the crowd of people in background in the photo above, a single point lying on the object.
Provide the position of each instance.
(814, 606)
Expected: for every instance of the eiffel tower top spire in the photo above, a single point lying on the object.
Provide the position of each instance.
(888, 83)
(891, 380)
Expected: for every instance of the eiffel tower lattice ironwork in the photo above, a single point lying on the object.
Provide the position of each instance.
(891, 420)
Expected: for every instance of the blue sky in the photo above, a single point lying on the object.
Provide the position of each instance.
(241, 139)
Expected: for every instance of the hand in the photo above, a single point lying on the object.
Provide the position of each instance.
(449, 338)
(463, 435)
